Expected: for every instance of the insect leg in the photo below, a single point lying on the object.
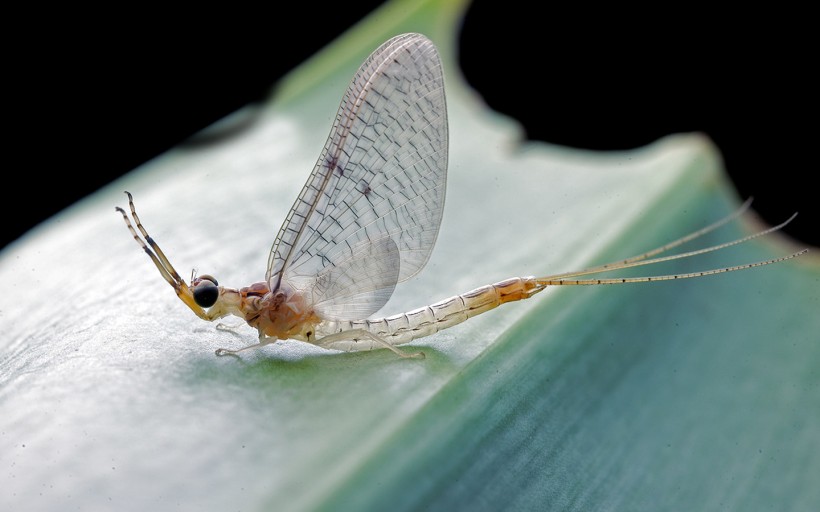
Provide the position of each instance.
(357, 334)
(229, 327)
(263, 340)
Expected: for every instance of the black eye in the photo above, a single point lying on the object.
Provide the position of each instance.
(206, 293)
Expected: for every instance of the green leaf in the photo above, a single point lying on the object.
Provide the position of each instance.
(693, 395)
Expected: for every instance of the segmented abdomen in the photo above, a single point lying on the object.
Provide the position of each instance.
(404, 327)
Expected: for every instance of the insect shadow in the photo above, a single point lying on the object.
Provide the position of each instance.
(291, 364)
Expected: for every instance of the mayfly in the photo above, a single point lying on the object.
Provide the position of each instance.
(368, 218)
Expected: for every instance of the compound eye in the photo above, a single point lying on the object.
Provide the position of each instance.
(206, 292)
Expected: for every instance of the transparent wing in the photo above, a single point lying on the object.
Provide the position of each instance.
(360, 285)
(381, 175)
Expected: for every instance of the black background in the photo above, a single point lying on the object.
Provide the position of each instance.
(91, 100)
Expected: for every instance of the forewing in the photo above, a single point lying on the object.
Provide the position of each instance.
(382, 173)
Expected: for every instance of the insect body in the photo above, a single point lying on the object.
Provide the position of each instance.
(368, 218)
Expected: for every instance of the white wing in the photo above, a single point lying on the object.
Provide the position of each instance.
(369, 214)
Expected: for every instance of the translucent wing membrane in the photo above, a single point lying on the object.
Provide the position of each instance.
(360, 285)
(370, 211)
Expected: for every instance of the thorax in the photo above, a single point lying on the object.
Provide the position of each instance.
(282, 314)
